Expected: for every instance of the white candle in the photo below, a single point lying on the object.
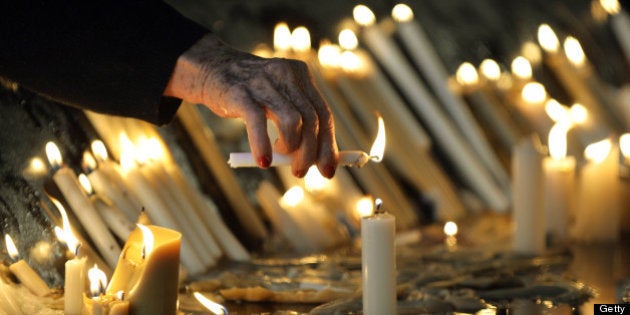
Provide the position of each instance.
(69, 185)
(620, 24)
(446, 133)
(527, 212)
(559, 172)
(378, 260)
(74, 278)
(426, 58)
(23, 272)
(597, 215)
(353, 158)
(8, 299)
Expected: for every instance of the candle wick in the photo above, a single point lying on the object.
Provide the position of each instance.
(378, 206)
(120, 295)
(144, 252)
(76, 250)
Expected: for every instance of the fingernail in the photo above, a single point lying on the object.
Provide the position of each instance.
(329, 171)
(264, 161)
(299, 173)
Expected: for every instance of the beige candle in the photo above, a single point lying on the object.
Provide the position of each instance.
(23, 272)
(148, 271)
(69, 185)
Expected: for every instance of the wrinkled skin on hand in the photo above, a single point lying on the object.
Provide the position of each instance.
(237, 84)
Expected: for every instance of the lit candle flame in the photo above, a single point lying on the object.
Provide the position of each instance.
(557, 142)
(598, 151)
(11, 248)
(67, 236)
(574, 51)
(450, 228)
(350, 62)
(610, 6)
(85, 183)
(128, 152)
(547, 38)
(282, 37)
(365, 207)
(490, 69)
(467, 74)
(348, 40)
(301, 39)
(624, 143)
(578, 113)
(99, 150)
(152, 149)
(293, 196)
(314, 181)
(558, 113)
(534, 92)
(147, 240)
(329, 54)
(98, 281)
(402, 13)
(212, 306)
(89, 162)
(53, 154)
(521, 68)
(531, 51)
(363, 15)
(378, 147)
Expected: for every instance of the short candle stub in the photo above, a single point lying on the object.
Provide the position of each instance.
(378, 206)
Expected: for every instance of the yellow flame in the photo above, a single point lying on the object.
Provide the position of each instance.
(363, 15)
(67, 236)
(610, 6)
(98, 280)
(350, 61)
(53, 154)
(574, 51)
(467, 74)
(547, 38)
(348, 40)
(147, 239)
(282, 37)
(450, 228)
(557, 142)
(558, 112)
(212, 306)
(490, 69)
(314, 181)
(85, 183)
(534, 92)
(402, 13)
(578, 113)
(89, 162)
(11, 248)
(521, 68)
(36, 166)
(378, 147)
(531, 51)
(99, 150)
(293, 196)
(329, 54)
(365, 206)
(624, 143)
(128, 153)
(301, 39)
(598, 151)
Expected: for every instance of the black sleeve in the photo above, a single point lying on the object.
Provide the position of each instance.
(113, 57)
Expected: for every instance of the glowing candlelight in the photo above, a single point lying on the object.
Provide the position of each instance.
(597, 217)
(353, 158)
(98, 281)
(74, 268)
(314, 181)
(301, 39)
(282, 37)
(364, 207)
(574, 52)
(450, 231)
(624, 144)
(27, 276)
(490, 70)
(578, 113)
(548, 39)
(466, 74)
(521, 68)
(147, 240)
(212, 306)
(534, 93)
(348, 39)
(70, 187)
(363, 15)
(329, 54)
(619, 22)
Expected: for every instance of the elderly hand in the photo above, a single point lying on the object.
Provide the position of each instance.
(236, 84)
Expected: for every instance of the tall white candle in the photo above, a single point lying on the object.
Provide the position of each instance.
(74, 277)
(527, 212)
(78, 200)
(559, 173)
(597, 215)
(23, 272)
(378, 260)
(428, 61)
(459, 151)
